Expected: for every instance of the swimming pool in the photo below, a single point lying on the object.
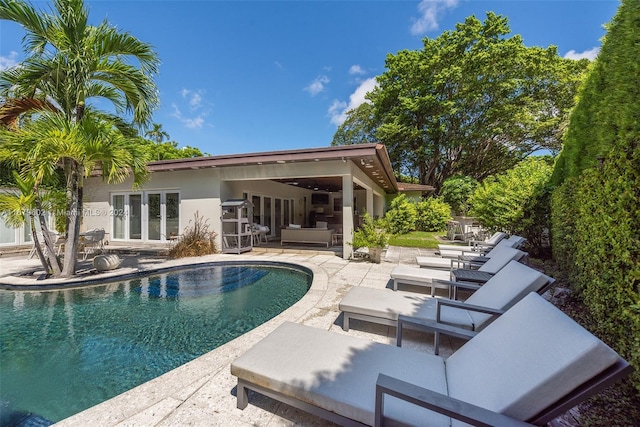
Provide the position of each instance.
(67, 350)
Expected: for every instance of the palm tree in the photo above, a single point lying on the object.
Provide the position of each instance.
(157, 135)
(69, 63)
(24, 205)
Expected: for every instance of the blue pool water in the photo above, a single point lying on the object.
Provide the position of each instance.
(64, 351)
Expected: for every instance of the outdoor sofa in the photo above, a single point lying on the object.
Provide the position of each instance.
(307, 235)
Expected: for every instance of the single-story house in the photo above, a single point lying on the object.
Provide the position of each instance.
(332, 185)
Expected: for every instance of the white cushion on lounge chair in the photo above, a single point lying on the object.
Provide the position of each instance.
(418, 276)
(445, 262)
(433, 262)
(539, 354)
(499, 258)
(503, 290)
(339, 372)
(382, 303)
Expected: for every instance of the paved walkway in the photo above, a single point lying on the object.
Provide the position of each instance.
(202, 392)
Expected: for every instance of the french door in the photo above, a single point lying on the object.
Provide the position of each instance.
(148, 216)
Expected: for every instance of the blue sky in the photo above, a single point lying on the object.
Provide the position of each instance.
(247, 76)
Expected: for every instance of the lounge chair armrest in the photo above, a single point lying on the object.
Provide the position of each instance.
(460, 263)
(437, 402)
(458, 304)
(452, 284)
(430, 326)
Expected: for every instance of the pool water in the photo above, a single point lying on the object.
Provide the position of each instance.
(64, 351)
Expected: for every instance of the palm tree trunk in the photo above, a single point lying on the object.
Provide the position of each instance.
(74, 212)
(36, 245)
(52, 259)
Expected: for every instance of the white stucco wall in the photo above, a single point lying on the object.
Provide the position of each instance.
(203, 190)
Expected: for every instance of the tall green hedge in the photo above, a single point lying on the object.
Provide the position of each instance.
(596, 207)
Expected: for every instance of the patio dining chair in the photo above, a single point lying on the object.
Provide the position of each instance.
(53, 236)
(93, 242)
(529, 366)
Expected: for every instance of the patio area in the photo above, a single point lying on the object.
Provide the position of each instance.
(202, 392)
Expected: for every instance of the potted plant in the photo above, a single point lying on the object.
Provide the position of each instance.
(372, 235)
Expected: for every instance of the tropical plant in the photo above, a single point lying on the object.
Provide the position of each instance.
(371, 234)
(433, 214)
(509, 202)
(401, 216)
(157, 135)
(24, 204)
(169, 150)
(70, 62)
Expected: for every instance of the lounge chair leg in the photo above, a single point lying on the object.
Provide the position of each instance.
(399, 335)
(436, 343)
(345, 322)
(395, 284)
(243, 396)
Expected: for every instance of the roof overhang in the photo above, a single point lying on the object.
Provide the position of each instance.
(372, 159)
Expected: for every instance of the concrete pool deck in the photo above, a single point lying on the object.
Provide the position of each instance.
(202, 392)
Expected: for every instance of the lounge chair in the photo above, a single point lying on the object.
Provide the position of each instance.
(454, 251)
(490, 242)
(425, 277)
(530, 365)
(488, 301)
(465, 258)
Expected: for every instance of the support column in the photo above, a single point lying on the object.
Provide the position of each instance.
(347, 216)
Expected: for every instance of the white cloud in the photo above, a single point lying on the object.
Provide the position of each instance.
(318, 85)
(338, 109)
(356, 69)
(193, 101)
(590, 54)
(9, 61)
(430, 12)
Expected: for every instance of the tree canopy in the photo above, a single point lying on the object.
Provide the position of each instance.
(471, 102)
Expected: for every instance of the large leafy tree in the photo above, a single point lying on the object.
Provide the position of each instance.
(471, 102)
(68, 63)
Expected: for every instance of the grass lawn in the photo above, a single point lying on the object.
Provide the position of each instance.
(417, 239)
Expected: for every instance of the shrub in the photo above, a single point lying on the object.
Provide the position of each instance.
(596, 208)
(433, 214)
(372, 233)
(196, 240)
(456, 191)
(516, 202)
(401, 216)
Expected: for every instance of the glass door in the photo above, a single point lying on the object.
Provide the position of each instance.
(135, 216)
(172, 216)
(154, 216)
(119, 217)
